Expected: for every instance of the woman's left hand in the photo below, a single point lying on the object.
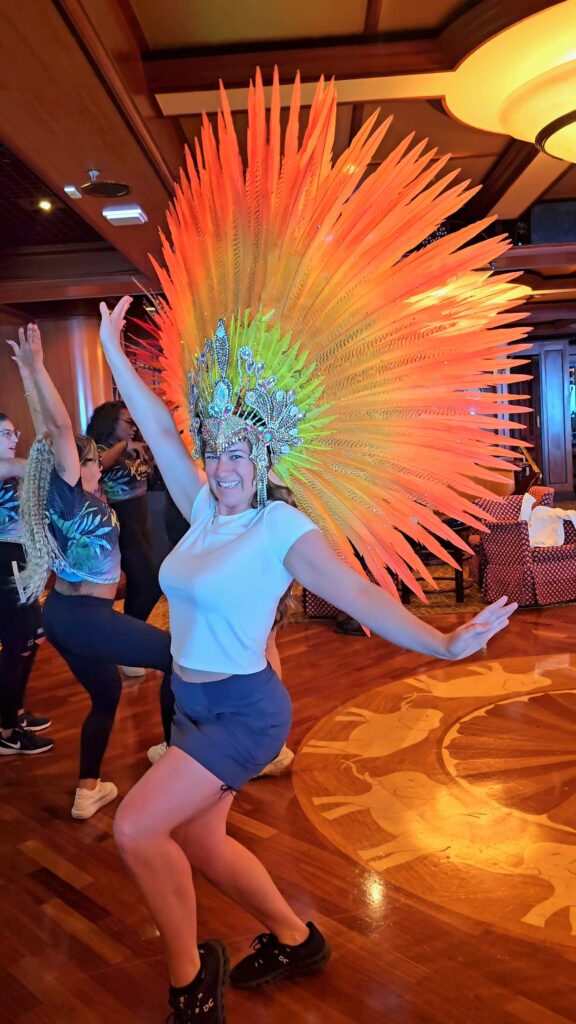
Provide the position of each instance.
(474, 635)
(112, 323)
(28, 354)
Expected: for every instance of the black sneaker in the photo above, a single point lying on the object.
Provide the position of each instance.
(274, 961)
(21, 741)
(204, 1004)
(34, 723)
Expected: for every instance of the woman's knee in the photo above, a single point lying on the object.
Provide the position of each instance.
(133, 829)
(105, 693)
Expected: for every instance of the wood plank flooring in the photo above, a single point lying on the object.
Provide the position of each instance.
(435, 844)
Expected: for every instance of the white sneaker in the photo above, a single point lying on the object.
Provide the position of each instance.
(132, 671)
(155, 753)
(88, 801)
(279, 765)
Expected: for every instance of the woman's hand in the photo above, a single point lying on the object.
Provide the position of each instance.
(28, 355)
(138, 450)
(112, 323)
(474, 635)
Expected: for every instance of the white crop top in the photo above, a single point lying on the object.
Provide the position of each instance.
(223, 582)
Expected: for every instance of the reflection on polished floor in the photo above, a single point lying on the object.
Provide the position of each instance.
(429, 827)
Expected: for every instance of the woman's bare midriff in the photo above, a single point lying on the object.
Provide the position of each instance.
(193, 675)
(85, 589)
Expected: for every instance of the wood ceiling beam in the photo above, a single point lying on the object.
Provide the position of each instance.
(358, 59)
(50, 273)
(371, 23)
(114, 43)
(515, 159)
(12, 292)
(561, 255)
(361, 56)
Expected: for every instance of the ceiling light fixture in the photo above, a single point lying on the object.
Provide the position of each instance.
(72, 192)
(104, 189)
(528, 76)
(45, 205)
(124, 215)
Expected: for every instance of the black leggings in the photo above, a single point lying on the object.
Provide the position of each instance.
(19, 626)
(93, 639)
(138, 566)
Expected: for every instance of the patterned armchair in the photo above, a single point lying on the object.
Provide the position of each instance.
(531, 576)
(501, 512)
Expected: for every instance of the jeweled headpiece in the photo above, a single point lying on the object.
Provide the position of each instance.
(367, 368)
(231, 399)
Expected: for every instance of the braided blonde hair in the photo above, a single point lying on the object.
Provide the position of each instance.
(42, 551)
(41, 547)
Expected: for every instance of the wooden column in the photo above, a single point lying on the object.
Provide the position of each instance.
(75, 362)
(555, 414)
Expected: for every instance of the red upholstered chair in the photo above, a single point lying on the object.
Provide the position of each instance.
(531, 576)
(501, 511)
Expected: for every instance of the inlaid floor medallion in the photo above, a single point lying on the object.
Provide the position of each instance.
(486, 824)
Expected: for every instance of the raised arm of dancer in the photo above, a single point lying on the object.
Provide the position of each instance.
(179, 471)
(313, 563)
(30, 388)
(29, 356)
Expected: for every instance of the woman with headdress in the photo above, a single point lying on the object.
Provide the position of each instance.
(69, 530)
(319, 328)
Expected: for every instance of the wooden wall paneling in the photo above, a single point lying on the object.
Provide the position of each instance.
(75, 362)
(555, 406)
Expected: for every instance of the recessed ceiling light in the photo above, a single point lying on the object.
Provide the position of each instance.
(72, 191)
(125, 215)
(45, 204)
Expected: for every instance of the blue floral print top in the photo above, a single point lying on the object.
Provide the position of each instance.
(11, 528)
(127, 478)
(86, 531)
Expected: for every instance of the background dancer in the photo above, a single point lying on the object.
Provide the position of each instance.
(20, 624)
(71, 531)
(125, 470)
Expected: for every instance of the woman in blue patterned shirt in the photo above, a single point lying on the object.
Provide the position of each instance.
(72, 532)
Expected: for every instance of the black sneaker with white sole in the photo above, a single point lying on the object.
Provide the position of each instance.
(203, 1000)
(272, 960)
(22, 741)
(34, 723)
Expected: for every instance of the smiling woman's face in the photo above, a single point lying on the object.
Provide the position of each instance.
(8, 439)
(231, 477)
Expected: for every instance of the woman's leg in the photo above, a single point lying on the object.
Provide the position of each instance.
(178, 790)
(18, 626)
(142, 587)
(102, 682)
(239, 874)
(93, 638)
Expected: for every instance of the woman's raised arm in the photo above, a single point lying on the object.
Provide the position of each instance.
(29, 357)
(179, 471)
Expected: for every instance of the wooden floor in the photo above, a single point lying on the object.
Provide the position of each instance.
(429, 829)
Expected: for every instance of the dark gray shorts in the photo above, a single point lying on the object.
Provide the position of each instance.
(233, 727)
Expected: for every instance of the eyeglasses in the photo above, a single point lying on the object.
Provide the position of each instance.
(86, 461)
(16, 434)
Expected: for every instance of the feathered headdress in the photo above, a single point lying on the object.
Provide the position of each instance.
(301, 314)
